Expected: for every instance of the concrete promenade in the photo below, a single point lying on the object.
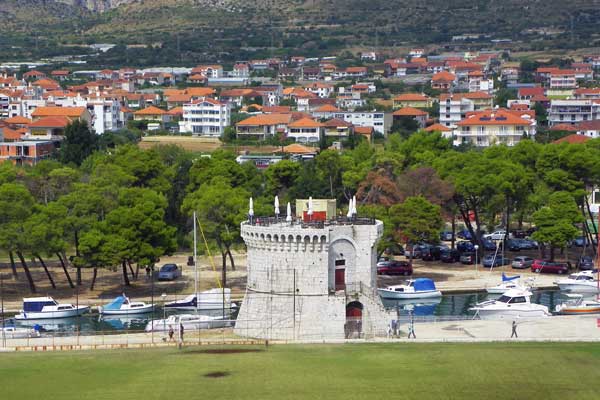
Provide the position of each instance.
(550, 329)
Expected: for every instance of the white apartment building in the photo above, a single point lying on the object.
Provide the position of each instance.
(105, 112)
(206, 117)
(573, 111)
(454, 107)
(563, 79)
(501, 126)
(379, 121)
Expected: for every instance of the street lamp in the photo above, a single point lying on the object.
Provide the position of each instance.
(476, 259)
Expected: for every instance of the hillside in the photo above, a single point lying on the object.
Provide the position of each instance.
(235, 28)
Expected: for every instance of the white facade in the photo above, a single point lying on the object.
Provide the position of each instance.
(563, 81)
(488, 135)
(303, 280)
(452, 111)
(379, 121)
(106, 113)
(205, 118)
(572, 111)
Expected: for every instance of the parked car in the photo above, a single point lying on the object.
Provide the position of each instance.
(394, 267)
(465, 247)
(488, 245)
(528, 244)
(416, 251)
(169, 272)
(450, 255)
(550, 267)
(514, 244)
(496, 235)
(582, 241)
(490, 261)
(518, 234)
(522, 262)
(467, 258)
(430, 253)
(446, 236)
(585, 263)
(464, 234)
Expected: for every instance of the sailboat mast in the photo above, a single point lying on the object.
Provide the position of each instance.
(195, 263)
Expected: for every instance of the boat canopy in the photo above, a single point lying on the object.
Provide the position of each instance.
(509, 278)
(422, 284)
(116, 303)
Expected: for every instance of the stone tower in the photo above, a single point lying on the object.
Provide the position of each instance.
(311, 280)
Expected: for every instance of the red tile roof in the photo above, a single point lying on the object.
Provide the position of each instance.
(438, 127)
(409, 112)
(572, 139)
(493, 117)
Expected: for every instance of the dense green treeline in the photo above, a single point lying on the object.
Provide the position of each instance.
(123, 207)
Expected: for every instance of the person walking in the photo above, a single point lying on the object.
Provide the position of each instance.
(514, 330)
(171, 334)
(181, 331)
(411, 327)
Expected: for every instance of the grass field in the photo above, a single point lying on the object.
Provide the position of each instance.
(367, 371)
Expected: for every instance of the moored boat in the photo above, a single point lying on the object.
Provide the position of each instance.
(13, 332)
(189, 321)
(578, 305)
(420, 288)
(122, 305)
(48, 308)
(580, 282)
(213, 299)
(512, 304)
(508, 283)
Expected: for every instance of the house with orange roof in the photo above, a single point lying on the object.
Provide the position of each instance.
(561, 79)
(46, 84)
(337, 128)
(241, 70)
(305, 130)
(33, 75)
(208, 71)
(497, 126)
(237, 97)
(18, 121)
(26, 152)
(363, 88)
(206, 117)
(410, 112)
(321, 89)
(70, 113)
(60, 74)
(152, 113)
(176, 100)
(326, 111)
(443, 129)
(197, 79)
(417, 100)
(365, 131)
(455, 106)
(263, 126)
(47, 128)
(352, 72)
(443, 81)
(587, 93)
(573, 138)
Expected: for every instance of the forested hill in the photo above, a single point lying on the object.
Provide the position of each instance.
(226, 26)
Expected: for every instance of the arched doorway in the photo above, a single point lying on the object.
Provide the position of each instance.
(353, 326)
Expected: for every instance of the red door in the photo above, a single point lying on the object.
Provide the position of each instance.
(340, 279)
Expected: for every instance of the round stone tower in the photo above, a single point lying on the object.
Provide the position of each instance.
(311, 280)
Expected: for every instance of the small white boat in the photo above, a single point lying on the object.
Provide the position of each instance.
(12, 332)
(212, 299)
(578, 305)
(508, 283)
(190, 322)
(420, 288)
(123, 306)
(580, 282)
(512, 304)
(48, 308)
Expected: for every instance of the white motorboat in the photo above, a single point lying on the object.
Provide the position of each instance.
(508, 283)
(123, 306)
(420, 288)
(48, 308)
(12, 332)
(512, 304)
(578, 305)
(213, 299)
(190, 322)
(580, 282)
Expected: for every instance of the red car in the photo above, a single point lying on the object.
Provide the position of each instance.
(394, 267)
(550, 267)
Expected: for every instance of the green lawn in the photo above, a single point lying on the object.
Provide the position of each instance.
(365, 371)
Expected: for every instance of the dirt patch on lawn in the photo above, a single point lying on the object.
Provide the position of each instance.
(225, 351)
(217, 374)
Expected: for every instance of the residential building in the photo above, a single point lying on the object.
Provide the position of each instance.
(305, 130)
(499, 126)
(26, 152)
(263, 126)
(337, 128)
(454, 107)
(321, 89)
(573, 111)
(70, 113)
(409, 112)
(206, 117)
(563, 79)
(443, 81)
(379, 121)
(416, 100)
(152, 113)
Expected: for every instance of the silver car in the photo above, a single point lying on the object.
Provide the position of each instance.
(169, 272)
(522, 262)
